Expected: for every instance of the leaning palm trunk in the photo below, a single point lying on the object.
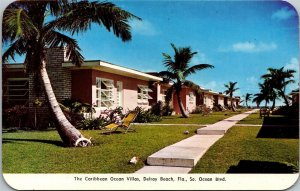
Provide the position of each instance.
(233, 109)
(183, 112)
(68, 133)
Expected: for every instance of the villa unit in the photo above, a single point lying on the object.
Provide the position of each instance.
(102, 84)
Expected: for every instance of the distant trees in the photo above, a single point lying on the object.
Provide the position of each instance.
(230, 90)
(274, 86)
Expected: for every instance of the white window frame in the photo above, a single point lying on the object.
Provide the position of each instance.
(20, 87)
(104, 92)
(163, 95)
(119, 98)
(143, 95)
(192, 98)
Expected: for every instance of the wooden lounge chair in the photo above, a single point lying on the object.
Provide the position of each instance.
(125, 123)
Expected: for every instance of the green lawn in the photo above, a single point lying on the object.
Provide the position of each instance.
(252, 119)
(246, 149)
(42, 152)
(199, 118)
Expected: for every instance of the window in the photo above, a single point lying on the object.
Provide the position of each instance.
(163, 95)
(17, 91)
(119, 100)
(191, 97)
(143, 95)
(104, 93)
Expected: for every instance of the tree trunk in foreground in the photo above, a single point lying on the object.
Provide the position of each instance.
(68, 133)
(182, 110)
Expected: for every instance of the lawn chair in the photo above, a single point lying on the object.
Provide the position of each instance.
(264, 112)
(125, 123)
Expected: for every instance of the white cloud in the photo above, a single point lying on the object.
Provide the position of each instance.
(211, 85)
(252, 80)
(249, 47)
(143, 27)
(200, 58)
(284, 13)
(293, 65)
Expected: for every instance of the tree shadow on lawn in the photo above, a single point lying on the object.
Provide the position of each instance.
(279, 127)
(248, 166)
(52, 142)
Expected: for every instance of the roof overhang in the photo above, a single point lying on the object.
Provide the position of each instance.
(112, 68)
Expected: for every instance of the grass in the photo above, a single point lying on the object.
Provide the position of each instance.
(252, 119)
(42, 152)
(242, 151)
(199, 118)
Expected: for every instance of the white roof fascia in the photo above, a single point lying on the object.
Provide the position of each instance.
(114, 67)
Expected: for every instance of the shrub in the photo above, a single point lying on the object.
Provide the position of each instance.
(16, 116)
(113, 116)
(217, 107)
(157, 108)
(145, 116)
(92, 123)
(201, 109)
(167, 110)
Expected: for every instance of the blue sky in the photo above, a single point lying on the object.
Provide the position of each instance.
(240, 38)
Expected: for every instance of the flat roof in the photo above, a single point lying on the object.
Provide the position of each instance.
(112, 68)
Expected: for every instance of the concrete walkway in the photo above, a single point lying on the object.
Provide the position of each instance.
(181, 157)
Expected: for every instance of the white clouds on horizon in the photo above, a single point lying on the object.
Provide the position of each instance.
(284, 13)
(293, 65)
(249, 47)
(143, 27)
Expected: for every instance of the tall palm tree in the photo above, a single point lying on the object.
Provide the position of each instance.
(230, 90)
(178, 69)
(264, 94)
(30, 27)
(279, 79)
(248, 97)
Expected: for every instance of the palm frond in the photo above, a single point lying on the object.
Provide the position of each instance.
(79, 16)
(168, 75)
(16, 23)
(54, 39)
(195, 68)
(192, 85)
(17, 47)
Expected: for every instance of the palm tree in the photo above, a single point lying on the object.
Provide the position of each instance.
(230, 90)
(30, 27)
(178, 70)
(279, 79)
(248, 97)
(264, 94)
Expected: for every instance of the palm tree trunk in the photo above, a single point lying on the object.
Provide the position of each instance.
(273, 106)
(68, 133)
(182, 110)
(284, 97)
(232, 104)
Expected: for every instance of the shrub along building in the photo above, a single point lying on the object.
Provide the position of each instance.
(101, 84)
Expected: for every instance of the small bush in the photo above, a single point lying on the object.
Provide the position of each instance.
(92, 123)
(167, 110)
(217, 107)
(146, 116)
(16, 116)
